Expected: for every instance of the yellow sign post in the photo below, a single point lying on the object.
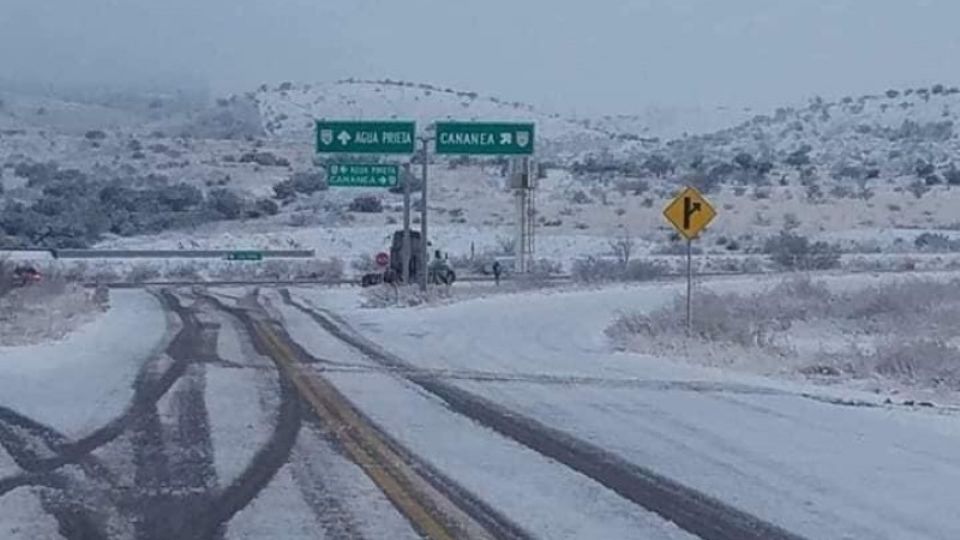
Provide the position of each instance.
(689, 213)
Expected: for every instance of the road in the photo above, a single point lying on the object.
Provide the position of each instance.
(276, 413)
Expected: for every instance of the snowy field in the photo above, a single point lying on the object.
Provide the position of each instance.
(84, 380)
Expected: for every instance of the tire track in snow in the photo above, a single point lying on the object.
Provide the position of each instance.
(433, 504)
(691, 510)
(268, 460)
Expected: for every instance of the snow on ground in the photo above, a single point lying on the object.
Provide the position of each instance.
(8, 466)
(346, 498)
(278, 512)
(549, 500)
(22, 517)
(85, 380)
(239, 422)
(776, 448)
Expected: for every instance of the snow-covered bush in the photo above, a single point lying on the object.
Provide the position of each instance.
(370, 204)
(579, 197)
(45, 311)
(791, 251)
(225, 203)
(142, 273)
(265, 159)
(308, 182)
(594, 270)
(598, 270)
(263, 207)
(888, 316)
(936, 242)
(931, 362)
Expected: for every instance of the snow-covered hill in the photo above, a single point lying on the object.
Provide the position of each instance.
(889, 132)
(289, 111)
(896, 133)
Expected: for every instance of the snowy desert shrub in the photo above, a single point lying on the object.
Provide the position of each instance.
(309, 182)
(44, 312)
(596, 270)
(726, 318)
(225, 203)
(481, 263)
(952, 176)
(623, 247)
(918, 188)
(543, 268)
(931, 362)
(265, 159)
(791, 251)
(658, 165)
(599, 270)
(95, 135)
(370, 204)
(936, 242)
(506, 245)
(675, 247)
(579, 197)
(640, 270)
(141, 273)
(755, 320)
(284, 190)
(262, 208)
(189, 271)
(899, 301)
(636, 187)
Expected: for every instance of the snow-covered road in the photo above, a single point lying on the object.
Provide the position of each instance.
(216, 419)
(782, 451)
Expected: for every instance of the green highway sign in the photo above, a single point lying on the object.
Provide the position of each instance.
(245, 256)
(492, 138)
(365, 137)
(362, 175)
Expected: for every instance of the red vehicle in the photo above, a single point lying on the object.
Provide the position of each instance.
(27, 275)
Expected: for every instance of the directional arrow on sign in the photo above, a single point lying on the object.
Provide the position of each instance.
(690, 213)
(344, 137)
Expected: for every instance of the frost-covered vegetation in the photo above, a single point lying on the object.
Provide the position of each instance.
(44, 311)
(905, 330)
(75, 209)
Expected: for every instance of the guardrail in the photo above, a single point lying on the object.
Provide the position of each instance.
(177, 253)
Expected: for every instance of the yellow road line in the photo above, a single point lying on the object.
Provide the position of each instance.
(363, 445)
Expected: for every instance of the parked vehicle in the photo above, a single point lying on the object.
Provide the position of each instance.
(26, 275)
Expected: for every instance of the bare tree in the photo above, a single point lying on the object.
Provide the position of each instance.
(623, 247)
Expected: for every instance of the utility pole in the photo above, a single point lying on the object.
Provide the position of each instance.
(424, 250)
(405, 251)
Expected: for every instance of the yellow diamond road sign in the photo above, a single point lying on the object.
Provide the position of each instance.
(690, 213)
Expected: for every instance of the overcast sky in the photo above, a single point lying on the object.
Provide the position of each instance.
(584, 55)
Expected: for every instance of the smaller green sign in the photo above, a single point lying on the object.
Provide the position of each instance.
(245, 256)
(362, 175)
(362, 137)
(488, 138)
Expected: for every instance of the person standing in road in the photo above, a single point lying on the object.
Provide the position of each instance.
(497, 269)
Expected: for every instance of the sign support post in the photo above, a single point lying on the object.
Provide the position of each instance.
(405, 250)
(689, 286)
(689, 213)
(424, 250)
